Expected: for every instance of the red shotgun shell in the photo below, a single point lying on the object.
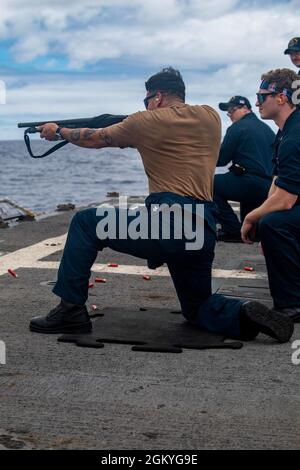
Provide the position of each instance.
(12, 273)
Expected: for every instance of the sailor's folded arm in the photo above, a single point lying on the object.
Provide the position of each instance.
(280, 200)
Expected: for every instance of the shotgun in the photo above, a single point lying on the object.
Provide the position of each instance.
(97, 122)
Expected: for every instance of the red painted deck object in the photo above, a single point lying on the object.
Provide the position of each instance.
(12, 273)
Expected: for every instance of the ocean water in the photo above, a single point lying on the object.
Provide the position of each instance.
(72, 174)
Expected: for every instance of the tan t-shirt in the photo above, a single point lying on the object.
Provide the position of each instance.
(179, 146)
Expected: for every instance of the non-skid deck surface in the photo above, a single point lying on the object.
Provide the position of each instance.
(249, 289)
(154, 330)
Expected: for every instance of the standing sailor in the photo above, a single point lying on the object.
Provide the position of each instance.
(248, 145)
(279, 216)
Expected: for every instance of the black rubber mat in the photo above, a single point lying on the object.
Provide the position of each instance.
(154, 330)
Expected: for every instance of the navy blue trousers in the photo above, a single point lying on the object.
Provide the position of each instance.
(190, 272)
(249, 190)
(280, 238)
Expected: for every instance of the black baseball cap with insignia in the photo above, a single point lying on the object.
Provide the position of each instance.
(235, 101)
(293, 46)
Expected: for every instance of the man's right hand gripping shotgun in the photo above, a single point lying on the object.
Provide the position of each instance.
(97, 122)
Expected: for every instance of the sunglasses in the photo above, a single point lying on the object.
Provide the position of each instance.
(261, 97)
(146, 100)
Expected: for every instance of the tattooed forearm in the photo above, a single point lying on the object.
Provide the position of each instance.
(88, 138)
(75, 135)
(105, 137)
(87, 133)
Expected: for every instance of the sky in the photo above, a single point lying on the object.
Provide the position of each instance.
(82, 58)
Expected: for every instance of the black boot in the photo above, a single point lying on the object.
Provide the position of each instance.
(292, 312)
(270, 322)
(65, 318)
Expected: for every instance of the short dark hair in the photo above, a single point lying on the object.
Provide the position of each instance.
(283, 79)
(168, 81)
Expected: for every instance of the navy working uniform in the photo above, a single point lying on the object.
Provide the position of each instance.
(248, 144)
(280, 231)
(179, 146)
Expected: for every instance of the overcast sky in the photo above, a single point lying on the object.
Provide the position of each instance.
(86, 57)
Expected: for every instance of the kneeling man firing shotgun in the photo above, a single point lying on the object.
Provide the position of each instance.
(179, 146)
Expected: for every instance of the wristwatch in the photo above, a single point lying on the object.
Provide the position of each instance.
(57, 132)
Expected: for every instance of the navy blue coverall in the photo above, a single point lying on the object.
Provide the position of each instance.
(248, 143)
(280, 231)
(190, 270)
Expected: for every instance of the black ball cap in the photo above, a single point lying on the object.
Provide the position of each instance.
(293, 46)
(235, 101)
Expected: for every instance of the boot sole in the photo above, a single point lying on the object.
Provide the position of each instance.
(68, 329)
(271, 323)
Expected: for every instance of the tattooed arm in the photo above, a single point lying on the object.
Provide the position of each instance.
(88, 138)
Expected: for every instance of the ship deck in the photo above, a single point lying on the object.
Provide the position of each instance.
(59, 396)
